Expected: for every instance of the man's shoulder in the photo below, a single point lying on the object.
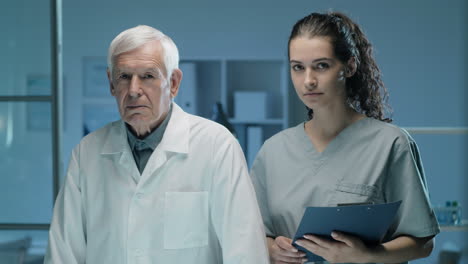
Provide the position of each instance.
(97, 138)
(202, 127)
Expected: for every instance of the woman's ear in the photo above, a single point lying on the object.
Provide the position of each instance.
(351, 67)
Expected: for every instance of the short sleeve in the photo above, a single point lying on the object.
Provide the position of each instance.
(406, 181)
(258, 175)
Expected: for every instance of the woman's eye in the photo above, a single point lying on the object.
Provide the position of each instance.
(322, 66)
(297, 67)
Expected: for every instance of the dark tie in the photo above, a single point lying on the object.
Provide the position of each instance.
(142, 154)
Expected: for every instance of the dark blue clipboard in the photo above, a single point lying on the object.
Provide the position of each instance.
(369, 222)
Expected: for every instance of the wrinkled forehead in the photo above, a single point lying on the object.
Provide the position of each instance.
(137, 70)
(147, 56)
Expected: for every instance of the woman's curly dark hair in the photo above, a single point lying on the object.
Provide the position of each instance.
(365, 90)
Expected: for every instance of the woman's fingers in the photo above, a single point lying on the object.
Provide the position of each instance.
(283, 252)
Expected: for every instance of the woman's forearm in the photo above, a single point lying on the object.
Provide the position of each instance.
(401, 249)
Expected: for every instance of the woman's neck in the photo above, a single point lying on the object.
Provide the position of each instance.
(326, 125)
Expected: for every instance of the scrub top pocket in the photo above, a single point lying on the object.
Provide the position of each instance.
(185, 220)
(346, 192)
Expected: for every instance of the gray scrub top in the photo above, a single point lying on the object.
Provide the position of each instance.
(369, 161)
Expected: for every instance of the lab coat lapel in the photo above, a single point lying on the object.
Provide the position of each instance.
(175, 141)
(156, 161)
(117, 145)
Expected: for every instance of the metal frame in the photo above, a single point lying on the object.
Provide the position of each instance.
(56, 104)
(57, 91)
(11, 226)
(26, 98)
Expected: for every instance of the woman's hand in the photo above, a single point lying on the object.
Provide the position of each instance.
(344, 248)
(281, 251)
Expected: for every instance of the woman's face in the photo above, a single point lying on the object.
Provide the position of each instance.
(317, 74)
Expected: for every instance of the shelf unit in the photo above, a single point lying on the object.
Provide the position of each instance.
(217, 80)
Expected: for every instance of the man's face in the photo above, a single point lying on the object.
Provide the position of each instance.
(141, 88)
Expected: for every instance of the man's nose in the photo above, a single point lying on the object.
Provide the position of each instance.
(310, 80)
(135, 88)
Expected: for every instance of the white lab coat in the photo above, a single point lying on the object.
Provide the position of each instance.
(193, 203)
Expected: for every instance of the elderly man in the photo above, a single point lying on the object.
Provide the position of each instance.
(160, 185)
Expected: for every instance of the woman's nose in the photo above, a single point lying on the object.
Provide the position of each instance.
(310, 80)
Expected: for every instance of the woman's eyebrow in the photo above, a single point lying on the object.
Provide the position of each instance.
(316, 60)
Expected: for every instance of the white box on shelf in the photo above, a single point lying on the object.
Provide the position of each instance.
(250, 105)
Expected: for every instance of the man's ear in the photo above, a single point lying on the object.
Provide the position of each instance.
(351, 67)
(111, 86)
(176, 78)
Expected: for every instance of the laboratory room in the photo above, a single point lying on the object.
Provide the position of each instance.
(294, 109)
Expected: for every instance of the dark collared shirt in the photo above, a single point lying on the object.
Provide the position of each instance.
(143, 148)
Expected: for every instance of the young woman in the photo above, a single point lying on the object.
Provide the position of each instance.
(347, 152)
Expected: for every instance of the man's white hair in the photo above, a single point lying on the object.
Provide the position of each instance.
(133, 38)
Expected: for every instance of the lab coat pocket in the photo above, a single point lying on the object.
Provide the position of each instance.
(185, 220)
(347, 192)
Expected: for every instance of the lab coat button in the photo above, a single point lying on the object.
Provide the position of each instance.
(139, 195)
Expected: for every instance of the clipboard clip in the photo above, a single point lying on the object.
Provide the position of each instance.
(348, 204)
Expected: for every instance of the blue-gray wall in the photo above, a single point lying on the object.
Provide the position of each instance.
(420, 46)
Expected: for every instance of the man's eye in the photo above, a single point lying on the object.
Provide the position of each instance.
(297, 67)
(124, 76)
(148, 76)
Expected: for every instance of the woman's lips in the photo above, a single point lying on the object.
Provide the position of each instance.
(313, 94)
